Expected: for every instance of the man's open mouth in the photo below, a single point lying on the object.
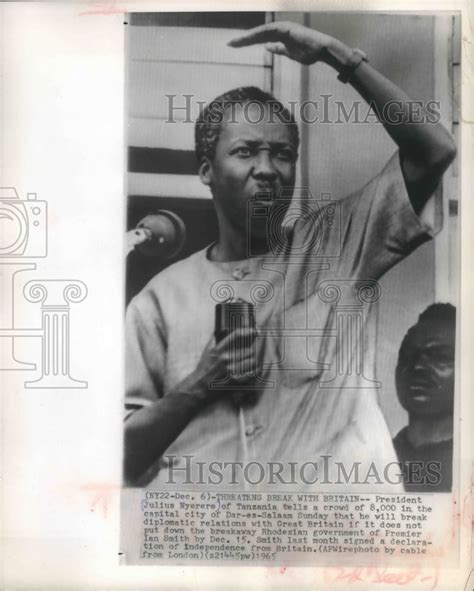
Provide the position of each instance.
(421, 389)
(265, 192)
(421, 397)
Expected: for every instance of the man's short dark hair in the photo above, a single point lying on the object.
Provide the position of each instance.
(437, 313)
(209, 122)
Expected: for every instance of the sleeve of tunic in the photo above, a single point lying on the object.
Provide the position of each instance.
(378, 227)
(145, 351)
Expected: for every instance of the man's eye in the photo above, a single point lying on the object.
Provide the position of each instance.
(443, 359)
(243, 151)
(286, 155)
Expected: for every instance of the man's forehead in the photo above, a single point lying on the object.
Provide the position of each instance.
(254, 122)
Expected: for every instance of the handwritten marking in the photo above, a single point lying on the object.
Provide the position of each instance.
(102, 496)
(379, 576)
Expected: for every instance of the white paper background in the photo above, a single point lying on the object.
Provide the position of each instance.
(62, 136)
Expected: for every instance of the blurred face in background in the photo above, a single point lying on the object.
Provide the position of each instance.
(425, 369)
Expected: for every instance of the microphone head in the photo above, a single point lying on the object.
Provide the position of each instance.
(167, 234)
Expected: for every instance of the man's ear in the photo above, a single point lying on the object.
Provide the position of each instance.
(205, 171)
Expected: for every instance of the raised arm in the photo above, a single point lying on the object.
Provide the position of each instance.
(426, 148)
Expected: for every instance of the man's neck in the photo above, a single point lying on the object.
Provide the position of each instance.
(232, 245)
(429, 429)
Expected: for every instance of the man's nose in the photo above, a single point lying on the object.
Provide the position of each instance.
(264, 167)
(421, 360)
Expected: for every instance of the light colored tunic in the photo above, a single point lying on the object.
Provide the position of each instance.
(312, 297)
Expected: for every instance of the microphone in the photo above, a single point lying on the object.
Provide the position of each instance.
(232, 315)
(161, 234)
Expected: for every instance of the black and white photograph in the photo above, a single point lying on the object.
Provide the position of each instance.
(292, 267)
(235, 286)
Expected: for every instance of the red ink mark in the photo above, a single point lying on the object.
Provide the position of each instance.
(102, 7)
(102, 496)
(349, 575)
(373, 575)
(282, 570)
(461, 516)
